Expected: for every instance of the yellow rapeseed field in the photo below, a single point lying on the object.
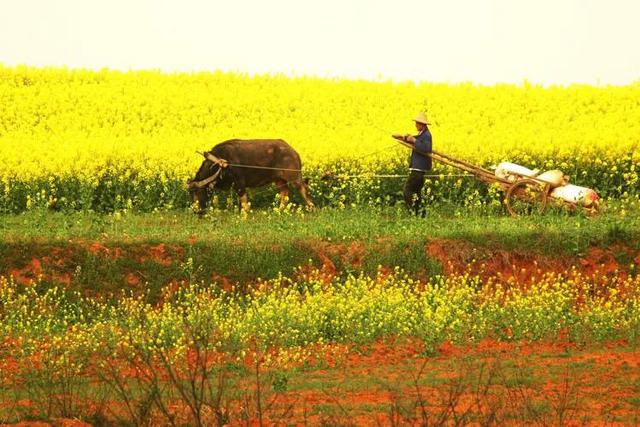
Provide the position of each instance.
(64, 133)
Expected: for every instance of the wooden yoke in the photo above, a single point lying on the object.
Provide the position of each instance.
(220, 162)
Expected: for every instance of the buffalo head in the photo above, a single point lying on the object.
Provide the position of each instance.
(206, 179)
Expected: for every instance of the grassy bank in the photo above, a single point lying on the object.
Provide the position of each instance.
(109, 252)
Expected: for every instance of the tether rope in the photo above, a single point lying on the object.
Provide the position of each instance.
(399, 176)
(329, 175)
(364, 175)
(239, 165)
(262, 167)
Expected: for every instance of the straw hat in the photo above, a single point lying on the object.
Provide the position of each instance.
(421, 118)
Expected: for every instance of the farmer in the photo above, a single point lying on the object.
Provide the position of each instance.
(419, 163)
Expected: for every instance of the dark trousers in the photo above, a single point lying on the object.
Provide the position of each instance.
(413, 189)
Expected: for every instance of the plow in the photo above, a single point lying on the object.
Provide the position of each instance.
(525, 191)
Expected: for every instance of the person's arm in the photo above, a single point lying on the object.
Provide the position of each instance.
(405, 138)
(422, 142)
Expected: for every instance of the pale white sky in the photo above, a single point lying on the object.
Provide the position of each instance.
(484, 41)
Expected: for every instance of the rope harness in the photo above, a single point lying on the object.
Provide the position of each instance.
(207, 181)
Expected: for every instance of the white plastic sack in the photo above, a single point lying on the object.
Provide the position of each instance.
(554, 177)
(582, 196)
(511, 171)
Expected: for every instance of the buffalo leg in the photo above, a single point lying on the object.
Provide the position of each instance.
(284, 193)
(302, 188)
(244, 201)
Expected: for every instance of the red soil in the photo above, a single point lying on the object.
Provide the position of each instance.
(596, 385)
(55, 266)
(58, 422)
(360, 385)
(161, 254)
(459, 257)
(28, 273)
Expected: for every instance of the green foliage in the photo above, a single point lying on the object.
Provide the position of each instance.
(108, 141)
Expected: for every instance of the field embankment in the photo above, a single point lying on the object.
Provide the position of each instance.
(109, 253)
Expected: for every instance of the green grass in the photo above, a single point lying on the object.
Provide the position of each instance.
(362, 223)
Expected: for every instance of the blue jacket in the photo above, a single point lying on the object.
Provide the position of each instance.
(423, 143)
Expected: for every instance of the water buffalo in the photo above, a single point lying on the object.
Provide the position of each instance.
(227, 165)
